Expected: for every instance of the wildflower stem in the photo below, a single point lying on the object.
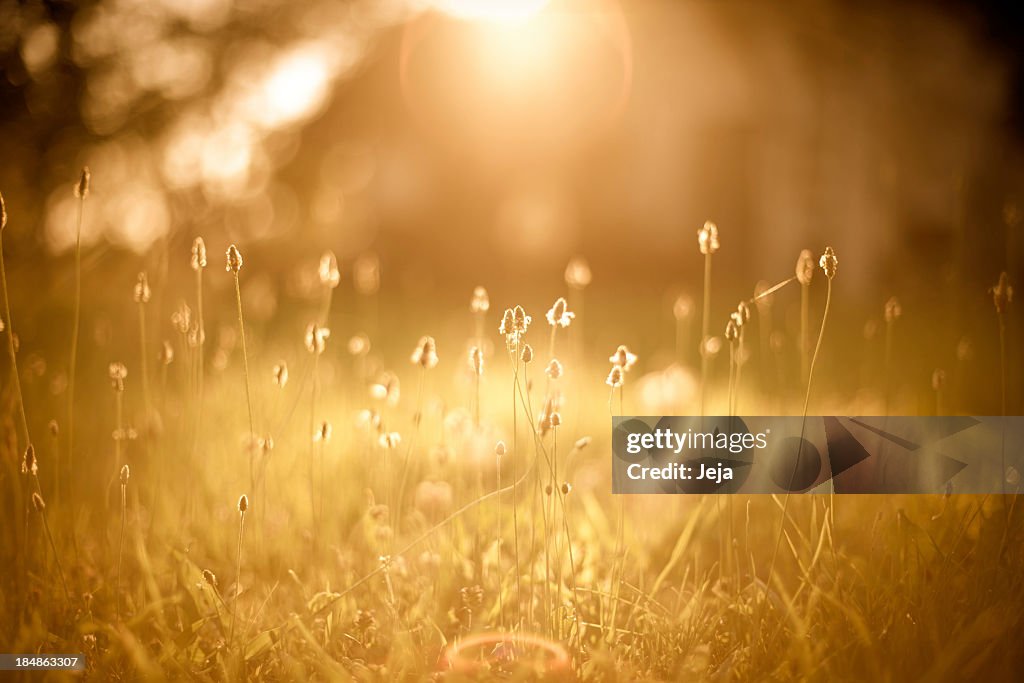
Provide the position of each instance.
(705, 318)
(739, 374)
(501, 592)
(146, 398)
(10, 347)
(73, 363)
(403, 482)
(732, 374)
(56, 555)
(805, 296)
(120, 550)
(771, 290)
(119, 435)
(803, 423)
(199, 358)
(889, 324)
(1002, 397)
(314, 391)
(245, 364)
(238, 575)
(515, 483)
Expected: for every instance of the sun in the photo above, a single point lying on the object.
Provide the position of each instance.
(508, 12)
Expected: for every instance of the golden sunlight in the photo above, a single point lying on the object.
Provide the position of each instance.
(492, 11)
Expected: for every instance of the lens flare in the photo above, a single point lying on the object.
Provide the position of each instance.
(492, 11)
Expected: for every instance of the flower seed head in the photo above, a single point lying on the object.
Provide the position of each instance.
(181, 319)
(545, 419)
(559, 314)
(556, 419)
(893, 310)
(520, 321)
(1002, 293)
(732, 331)
(234, 263)
(329, 275)
(166, 356)
(316, 338)
(527, 355)
(142, 292)
(938, 379)
(566, 488)
(117, 373)
(615, 377)
(243, 503)
(386, 388)
(29, 464)
(499, 448)
(54, 428)
(480, 303)
(742, 313)
(281, 374)
(125, 473)
(390, 440)
(476, 360)
(707, 238)
(323, 433)
(577, 273)
(829, 263)
(554, 369)
(964, 350)
(425, 353)
(623, 358)
(38, 504)
(198, 254)
(805, 267)
(210, 578)
(581, 443)
(82, 188)
(507, 323)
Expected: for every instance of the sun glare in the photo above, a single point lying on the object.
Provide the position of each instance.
(492, 11)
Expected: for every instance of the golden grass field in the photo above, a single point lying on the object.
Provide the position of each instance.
(414, 509)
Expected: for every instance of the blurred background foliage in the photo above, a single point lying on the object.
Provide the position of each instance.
(484, 141)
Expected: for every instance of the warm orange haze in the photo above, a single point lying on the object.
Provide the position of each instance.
(316, 315)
